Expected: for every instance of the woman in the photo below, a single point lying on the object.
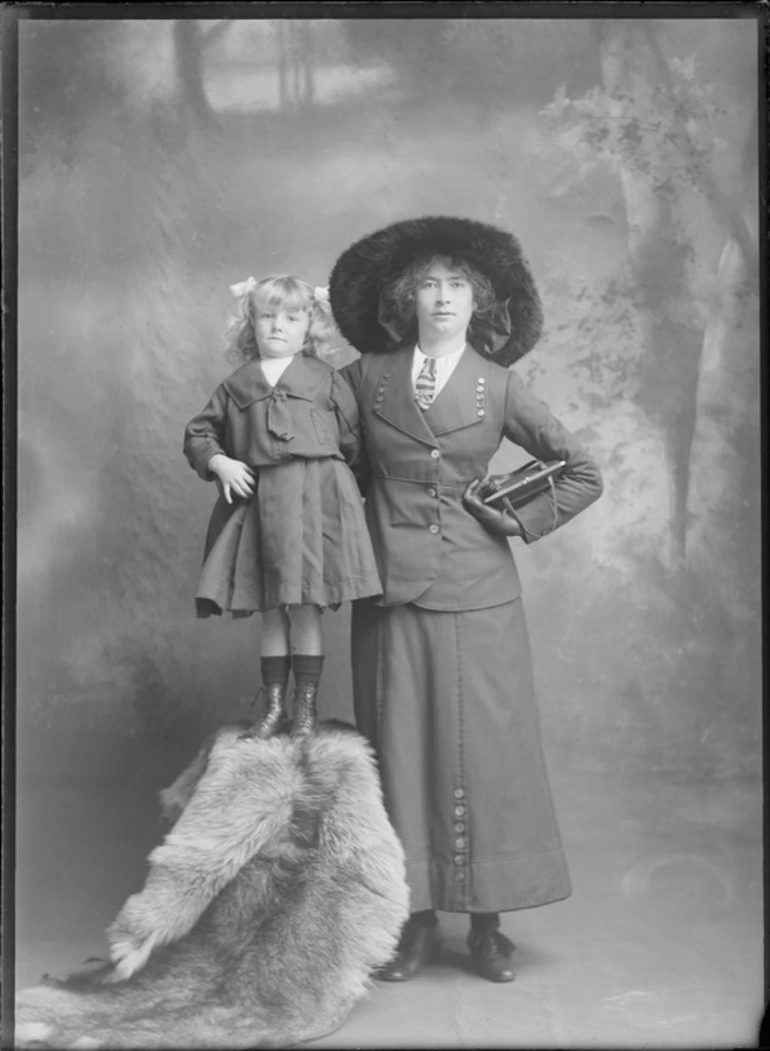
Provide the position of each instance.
(442, 677)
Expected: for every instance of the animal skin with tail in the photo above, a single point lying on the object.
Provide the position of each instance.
(277, 892)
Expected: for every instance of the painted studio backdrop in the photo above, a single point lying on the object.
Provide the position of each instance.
(161, 161)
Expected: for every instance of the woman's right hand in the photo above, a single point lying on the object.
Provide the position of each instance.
(233, 477)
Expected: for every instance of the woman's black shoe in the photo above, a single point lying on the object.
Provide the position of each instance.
(491, 953)
(418, 944)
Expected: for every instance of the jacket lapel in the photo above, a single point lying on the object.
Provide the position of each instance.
(463, 400)
(394, 399)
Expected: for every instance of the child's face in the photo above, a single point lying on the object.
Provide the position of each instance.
(280, 332)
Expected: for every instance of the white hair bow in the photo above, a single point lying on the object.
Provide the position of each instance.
(322, 295)
(243, 288)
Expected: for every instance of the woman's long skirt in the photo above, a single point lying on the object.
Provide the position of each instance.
(448, 701)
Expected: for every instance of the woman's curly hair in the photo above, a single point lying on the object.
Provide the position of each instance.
(278, 292)
(398, 297)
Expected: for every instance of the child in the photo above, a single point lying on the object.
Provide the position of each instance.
(287, 536)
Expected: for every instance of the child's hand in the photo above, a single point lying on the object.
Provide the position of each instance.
(234, 476)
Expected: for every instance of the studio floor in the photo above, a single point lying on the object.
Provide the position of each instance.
(661, 944)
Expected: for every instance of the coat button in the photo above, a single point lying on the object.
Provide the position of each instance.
(435, 454)
(459, 859)
(481, 413)
(460, 876)
(459, 793)
(432, 492)
(459, 811)
(460, 843)
(459, 826)
(482, 380)
(480, 388)
(433, 528)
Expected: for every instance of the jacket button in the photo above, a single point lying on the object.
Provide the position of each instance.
(460, 843)
(460, 876)
(435, 453)
(482, 380)
(432, 492)
(433, 528)
(459, 826)
(459, 811)
(459, 859)
(481, 413)
(459, 793)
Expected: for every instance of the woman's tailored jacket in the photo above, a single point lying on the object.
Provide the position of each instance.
(430, 549)
(310, 414)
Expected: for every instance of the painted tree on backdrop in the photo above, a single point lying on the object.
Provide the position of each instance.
(704, 361)
(665, 148)
(190, 43)
(294, 59)
(693, 254)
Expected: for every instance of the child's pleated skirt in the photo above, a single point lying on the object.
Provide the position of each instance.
(301, 539)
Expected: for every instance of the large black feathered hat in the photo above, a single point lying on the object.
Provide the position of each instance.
(369, 265)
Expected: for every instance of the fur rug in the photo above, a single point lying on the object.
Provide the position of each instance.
(279, 889)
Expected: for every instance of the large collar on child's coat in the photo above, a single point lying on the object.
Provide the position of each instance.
(301, 379)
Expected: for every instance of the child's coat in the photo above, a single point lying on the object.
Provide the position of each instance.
(302, 538)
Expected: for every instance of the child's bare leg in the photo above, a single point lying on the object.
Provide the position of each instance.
(276, 636)
(275, 666)
(307, 662)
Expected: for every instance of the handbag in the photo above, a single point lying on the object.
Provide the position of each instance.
(506, 492)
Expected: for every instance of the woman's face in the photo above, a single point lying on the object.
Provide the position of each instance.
(443, 302)
(281, 333)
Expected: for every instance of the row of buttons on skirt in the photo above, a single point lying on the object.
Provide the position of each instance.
(461, 840)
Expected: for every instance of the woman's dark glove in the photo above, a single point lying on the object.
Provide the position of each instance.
(502, 523)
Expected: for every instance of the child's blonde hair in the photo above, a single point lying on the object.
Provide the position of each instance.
(278, 292)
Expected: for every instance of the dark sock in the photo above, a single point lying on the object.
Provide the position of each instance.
(425, 918)
(307, 667)
(275, 670)
(481, 921)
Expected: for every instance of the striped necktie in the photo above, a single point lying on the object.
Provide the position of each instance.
(425, 384)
